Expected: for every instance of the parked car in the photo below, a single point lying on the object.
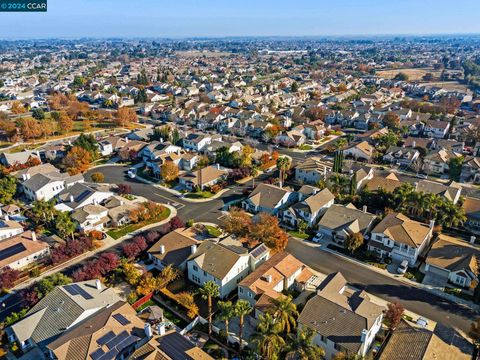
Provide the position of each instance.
(403, 267)
(132, 173)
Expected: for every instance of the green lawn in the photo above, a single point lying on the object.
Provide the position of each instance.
(199, 195)
(305, 147)
(147, 304)
(213, 231)
(118, 233)
(299, 234)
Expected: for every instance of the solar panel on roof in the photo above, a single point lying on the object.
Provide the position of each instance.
(106, 338)
(82, 196)
(258, 251)
(97, 354)
(110, 354)
(82, 292)
(117, 339)
(12, 250)
(127, 342)
(72, 290)
(121, 319)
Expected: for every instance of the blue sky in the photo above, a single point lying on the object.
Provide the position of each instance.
(186, 18)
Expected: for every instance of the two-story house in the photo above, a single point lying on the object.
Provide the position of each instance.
(46, 186)
(309, 209)
(400, 238)
(343, 319)
(313, 170)
(269, 198)
(224, 263)
(91, 217)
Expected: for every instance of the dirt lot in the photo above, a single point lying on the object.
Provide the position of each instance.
(413, 74)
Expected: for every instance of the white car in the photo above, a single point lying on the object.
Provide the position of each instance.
(318, 238)
(403, 267)
(132, 173)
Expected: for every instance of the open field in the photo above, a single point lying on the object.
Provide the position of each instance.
(413, 74)
(449, 85)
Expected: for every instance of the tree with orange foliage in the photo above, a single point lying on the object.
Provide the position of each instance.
(77, 160)
(65, 122)
(266, 228)
(238, 222)
(315, 113)
(9, 128)
(30, 128)
(169, 171)
(76, 109)
(18, 108)
(125, 116)
(58, 101)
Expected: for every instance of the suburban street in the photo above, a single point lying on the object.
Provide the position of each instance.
(415, 299)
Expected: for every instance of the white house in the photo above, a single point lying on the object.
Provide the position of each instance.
(343, 319)
(196, 142)
(47, 186)
(400, 238)
(22, 250)
(221, 263)
(91, 217)
(362, 151)
(269, 198)
(309, 209)
(313, 170)
(80, 195)
(9, 228)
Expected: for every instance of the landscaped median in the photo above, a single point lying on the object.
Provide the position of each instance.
(160, 215)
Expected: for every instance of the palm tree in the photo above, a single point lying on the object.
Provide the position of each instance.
(64, 224)
(267, 339)
(227, 311)
(210, 290)
(283, 164)
(284, 312)
(301, 346)
(242, 308)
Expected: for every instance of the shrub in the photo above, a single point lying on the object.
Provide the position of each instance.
(190, 223)
(98, 177)
(8, 276)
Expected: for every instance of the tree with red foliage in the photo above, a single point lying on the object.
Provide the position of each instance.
(152, 236)
(176, 223)
(140, 242)
(393, 315)
(30, 297)
(124, 189)
(8, 276)
(107, 262)
(130, 250)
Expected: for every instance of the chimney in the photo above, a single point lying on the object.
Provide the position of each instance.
(162, 249)
(34, 236)
(193, 249)
(126, 139)
(161, 329)
(148, 330)
(6, 217)
(71, 198)
(268, 278)
(218, 166)
(98, 284)
(472, 239)
(364, 208)
(414, 143)
(432, 224)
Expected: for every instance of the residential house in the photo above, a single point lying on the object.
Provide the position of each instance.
(18, 158)
(387, 183)
(45, 186)
(401, 155)
(410, 342)
(343, 319)
(452, 260)
(196, 142)
(189, 161)
(437, 162)
(291, 138)
(471, 170)
(91, 217)
(339, 222)
(361, 151)
(80, 195)
(21, 250)
(471, 206)
(310, 209)
(202, 178)
(400, 238)
(169, 345)
(313, 170)
(63, 307)
(226, 264)
(9, 228)
(112, 332)
(450, 192)
(436, 128)
(173, 248)
(105, 147)
(268, 198)
(280, 273)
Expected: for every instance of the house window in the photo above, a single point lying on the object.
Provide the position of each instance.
(337, 347)
(241, 290)
(204, 273)
(195, 268)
